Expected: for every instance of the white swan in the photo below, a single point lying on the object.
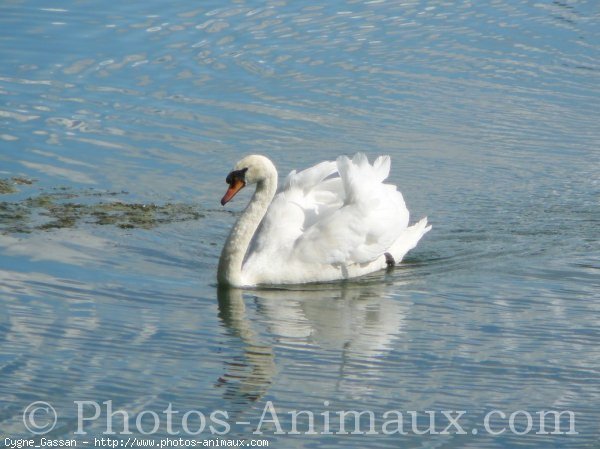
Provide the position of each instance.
(336, 220)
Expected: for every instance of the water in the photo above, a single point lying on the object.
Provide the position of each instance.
(118, 124)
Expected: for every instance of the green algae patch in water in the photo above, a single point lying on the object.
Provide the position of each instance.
(6, 187)
(146, 216)
(64, 208)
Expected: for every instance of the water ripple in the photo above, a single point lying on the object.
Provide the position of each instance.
(489, 111)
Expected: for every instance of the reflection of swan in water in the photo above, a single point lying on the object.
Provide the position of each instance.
(355, 318)
(352, 324)
(247, 378)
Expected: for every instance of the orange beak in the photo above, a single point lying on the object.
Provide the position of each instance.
(234, 188)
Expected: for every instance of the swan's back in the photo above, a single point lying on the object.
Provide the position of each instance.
(331, 221)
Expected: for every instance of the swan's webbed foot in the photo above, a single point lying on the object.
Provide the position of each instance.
(389, 260)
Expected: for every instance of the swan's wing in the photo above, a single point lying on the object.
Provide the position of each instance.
(304, 197)
(370, 220)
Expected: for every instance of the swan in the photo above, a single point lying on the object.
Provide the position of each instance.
(336, 220)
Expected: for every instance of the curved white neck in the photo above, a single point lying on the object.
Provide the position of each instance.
(236, 246)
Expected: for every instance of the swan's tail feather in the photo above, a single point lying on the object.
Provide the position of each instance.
(409, 238)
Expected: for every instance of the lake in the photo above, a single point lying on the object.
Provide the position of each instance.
(118, 124)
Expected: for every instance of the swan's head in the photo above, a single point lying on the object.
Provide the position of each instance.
(250, 170)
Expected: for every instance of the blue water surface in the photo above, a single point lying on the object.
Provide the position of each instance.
(118, 124)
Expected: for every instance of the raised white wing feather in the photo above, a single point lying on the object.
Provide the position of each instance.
(371, 218)
(338, 213)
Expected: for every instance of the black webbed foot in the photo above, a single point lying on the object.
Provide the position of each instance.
(389, 260)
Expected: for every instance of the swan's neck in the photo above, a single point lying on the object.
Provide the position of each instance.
(236, 246)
